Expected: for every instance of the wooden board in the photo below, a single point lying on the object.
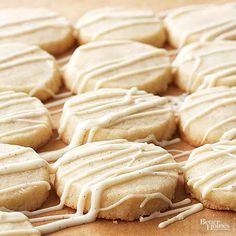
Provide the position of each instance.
(209, 222)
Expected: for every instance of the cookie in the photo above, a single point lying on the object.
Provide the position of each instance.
(118, 64)
(108, 114)
(23, 120)
(29, 69)
(208, 116)
(15, 224)
(202, 65)
(120, 179)
(121, 24)
(35, 26)
(22, 174)
(210, 175)
(201, 23)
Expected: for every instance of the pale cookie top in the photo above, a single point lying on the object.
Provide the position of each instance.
(29, 69)
(15, 224)
(203, 64)
(111, 172)
(22, 172)
(116, 113)
(120, 23)
(209, 115)
(22, 118)
(118, 64)
(201, 23)
(34, 26)
(210, 172)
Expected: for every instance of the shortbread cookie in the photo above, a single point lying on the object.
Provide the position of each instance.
(15, 224)
(116, 113)
(210, 174)
(29, 69)
(201, 23)
(23, 120)
(36, 26)
(202, 65)
(118, 64)
(208, 116)
(24, 178)
(121, 24)
(131, 179)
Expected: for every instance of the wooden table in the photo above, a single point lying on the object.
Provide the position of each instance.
(198, 224)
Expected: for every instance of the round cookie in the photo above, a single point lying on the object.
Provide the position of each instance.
(208, 116)
(118, 64)
(15, 224)
(108, 114)
(35, 26)
(201, 23)
(121, 24)
(139, 178)
(23, 120)
(29, 69)
(203, 65)
(22, 174)
(210, 175)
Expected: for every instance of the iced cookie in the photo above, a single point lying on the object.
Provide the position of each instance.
(120, 179)
(118, 64)
(24, 178)
(15, 224)
(208, 116)
(202, 65)
(121, 24)
(29, 69)
(36, 26)
(210, 175)
(108, 114)
(23, 120)
(201, 23)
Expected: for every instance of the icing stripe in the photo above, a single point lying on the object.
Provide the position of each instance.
(32, 117)
(209, 76)
(213, 179)
(101, 69)
(214, 98)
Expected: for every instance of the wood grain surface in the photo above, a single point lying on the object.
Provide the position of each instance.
(197, 224)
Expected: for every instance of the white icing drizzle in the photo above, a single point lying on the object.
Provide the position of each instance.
(127, 153)
(31, 24)
(125, 25)
(9, 168)
(213, 73)
(122, 152)
(121, 19)
(8, 99)
(180, 153)
(60, 100)
(211, 30)
(18, 224)
(63, 60)
(177, 102)
(152, 139)
(27, 55)
(172, 52)
(24, 60)
(216, 98)
(213, 179)
(185, 212)
(229, 135)
(26, 185)
(138, 102)
(186, 9)
(103, 69)
(56, 103)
